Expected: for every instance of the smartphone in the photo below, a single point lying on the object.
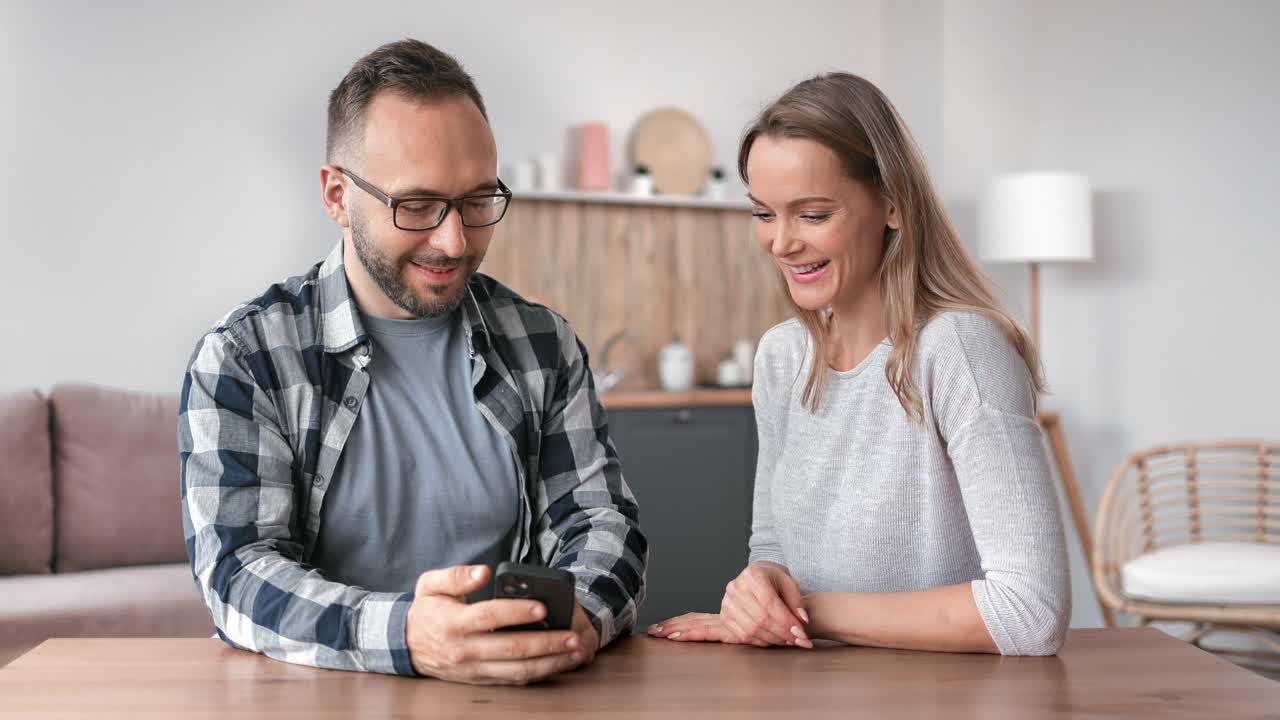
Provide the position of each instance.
(550, 586)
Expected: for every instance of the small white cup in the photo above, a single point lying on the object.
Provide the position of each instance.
(744, 353)
(522, 177)
(729, 372)
(549, 175)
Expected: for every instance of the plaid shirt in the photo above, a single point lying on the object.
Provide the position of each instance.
(269, 399)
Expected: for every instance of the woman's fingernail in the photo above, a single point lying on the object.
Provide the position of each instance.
(537, 612)
(657, 628)
(798, 632)
(571, 643)
(673, 636)
(477, 573)
(803, 615)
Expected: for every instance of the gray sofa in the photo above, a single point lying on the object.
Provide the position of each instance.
(90, 526)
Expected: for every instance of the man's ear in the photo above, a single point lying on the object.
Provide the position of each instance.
(333, 194)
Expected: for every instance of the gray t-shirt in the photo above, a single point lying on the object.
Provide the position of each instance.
(424, 480)
(860, 498)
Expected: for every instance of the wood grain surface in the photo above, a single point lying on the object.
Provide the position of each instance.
(1116, 673)
(651, 271)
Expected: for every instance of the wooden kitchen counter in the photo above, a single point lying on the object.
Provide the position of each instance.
(698, 397)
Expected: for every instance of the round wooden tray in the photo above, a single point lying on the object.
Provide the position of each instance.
(676, 149)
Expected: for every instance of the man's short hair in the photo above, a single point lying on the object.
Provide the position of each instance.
(410, 68)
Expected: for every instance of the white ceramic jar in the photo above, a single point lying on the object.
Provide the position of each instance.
(675, 366)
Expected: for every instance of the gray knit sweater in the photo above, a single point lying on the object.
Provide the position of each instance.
(861, 498)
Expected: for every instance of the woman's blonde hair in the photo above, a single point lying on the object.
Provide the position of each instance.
(925, 269)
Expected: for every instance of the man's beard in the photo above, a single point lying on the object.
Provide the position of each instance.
(388, 273)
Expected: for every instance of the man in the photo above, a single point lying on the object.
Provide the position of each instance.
(361, 443)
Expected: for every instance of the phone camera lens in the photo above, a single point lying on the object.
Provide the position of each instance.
(509, 589)
(524, 586)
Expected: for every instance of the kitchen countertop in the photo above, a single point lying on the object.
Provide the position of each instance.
(697, 397)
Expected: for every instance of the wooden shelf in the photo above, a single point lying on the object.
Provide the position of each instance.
(621, 198)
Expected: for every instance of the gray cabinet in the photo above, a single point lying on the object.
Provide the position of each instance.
(692, 471)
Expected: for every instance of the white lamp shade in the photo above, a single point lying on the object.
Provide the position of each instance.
(1032, 217)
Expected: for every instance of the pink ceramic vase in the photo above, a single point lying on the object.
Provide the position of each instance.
(593, 157)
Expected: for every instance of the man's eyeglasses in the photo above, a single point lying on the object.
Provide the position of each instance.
(426, 213)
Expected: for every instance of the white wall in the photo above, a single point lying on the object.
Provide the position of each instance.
(188, 138)
(911, 72)
(1172, 109)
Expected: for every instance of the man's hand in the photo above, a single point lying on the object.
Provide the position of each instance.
(763, 606)
(451, 640)
(588, 638)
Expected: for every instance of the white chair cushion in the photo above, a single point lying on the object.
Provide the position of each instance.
(1208, 573)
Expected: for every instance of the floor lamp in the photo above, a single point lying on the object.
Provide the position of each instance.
(1033, 218)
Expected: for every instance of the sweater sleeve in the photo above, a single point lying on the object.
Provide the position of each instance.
(982, 403)
(770, 393)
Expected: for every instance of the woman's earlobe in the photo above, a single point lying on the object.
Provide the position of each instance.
(892, 219)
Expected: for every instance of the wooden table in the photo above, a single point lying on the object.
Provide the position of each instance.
(1124, 673)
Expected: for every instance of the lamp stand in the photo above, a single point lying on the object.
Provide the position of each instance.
(1051, 425)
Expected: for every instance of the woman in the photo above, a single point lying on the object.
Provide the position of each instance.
(902, 494)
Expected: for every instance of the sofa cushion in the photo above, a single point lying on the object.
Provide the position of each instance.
(151, 601)
(116, 478)
(1210, 573)
(26, 484)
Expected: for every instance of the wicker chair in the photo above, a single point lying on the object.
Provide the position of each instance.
(1191, 533)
